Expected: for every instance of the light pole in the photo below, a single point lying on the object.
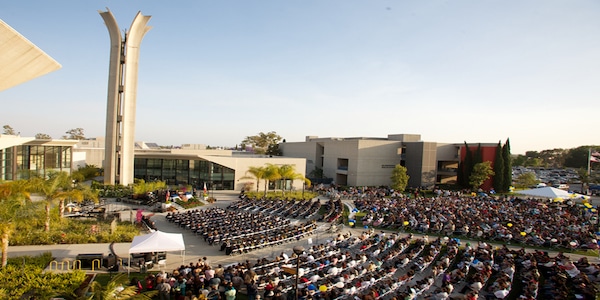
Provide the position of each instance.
(298, 250)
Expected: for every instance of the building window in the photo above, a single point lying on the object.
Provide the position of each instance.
(342, 164)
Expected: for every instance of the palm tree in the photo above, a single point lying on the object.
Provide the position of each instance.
(77, 194)
(117, 288)
(14, 197)
(289, 172)
(584, 177)
(257, 173)
(55, 187)
(271, 174)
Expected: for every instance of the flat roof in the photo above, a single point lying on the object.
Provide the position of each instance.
(20, 59)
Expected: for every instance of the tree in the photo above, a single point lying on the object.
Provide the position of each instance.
(477, 156)
(534, 162)
(506, 157)
(399, 178)
(526, 180)
(9, 130)
(584, 176)
(499, 169)
(481, 172)
(55, 187)
(577, 157)
(466, 167)
(14, 197)
(42, 136)
(519, 160)
(260, 143)
(271, 175)
(141, 187)
(257, 173)
(118, 288)
(273, 150)
(288, 172)
(86, 173)
(316, 173)
(553, 158)
(74, 134)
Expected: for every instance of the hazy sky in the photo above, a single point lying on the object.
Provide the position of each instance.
(214, 72)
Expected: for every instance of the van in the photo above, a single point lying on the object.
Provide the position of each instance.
(561, 186)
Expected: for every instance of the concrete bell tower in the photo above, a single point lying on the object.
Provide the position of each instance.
(122, 93)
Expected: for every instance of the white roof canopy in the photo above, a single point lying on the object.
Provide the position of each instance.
(549, 192)
(157, 241)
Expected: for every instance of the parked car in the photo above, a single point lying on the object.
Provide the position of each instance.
(561, 186)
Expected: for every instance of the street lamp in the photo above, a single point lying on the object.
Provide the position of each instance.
(298, 250)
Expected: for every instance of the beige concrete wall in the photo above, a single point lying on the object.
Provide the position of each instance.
(92, 152)
(376, 161)
(405, 137)
(307, 150)
(429, 166)
(193, 147)
(448, 152)
(334, 150)
(371, 160)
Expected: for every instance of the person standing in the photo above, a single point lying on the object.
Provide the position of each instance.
(164, 289)
(252, 290)
(230, 291)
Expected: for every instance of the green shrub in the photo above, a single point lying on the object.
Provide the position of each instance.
(287, 195)
(72, 231)
(191, 203)
(29, 279)
(40, 261)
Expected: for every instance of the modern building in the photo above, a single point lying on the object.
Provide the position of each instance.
(21, 157)
(369, 161)
(191, 164)
(25, 157)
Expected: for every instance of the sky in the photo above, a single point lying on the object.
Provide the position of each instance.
(215, 72)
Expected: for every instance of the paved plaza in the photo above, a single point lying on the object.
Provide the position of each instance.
(196, 247)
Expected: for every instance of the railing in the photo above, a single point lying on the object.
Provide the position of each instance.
(66, 265)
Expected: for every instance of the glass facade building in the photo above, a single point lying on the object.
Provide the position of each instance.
(26, 161)
(194, 172)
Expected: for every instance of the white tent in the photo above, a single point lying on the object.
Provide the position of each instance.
(158, 241)
(550, 192)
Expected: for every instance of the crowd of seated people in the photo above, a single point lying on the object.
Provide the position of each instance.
(334, 210)
(529, 221)
(385, 266)
(240, 231)
(301, 209)
(297, 209)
